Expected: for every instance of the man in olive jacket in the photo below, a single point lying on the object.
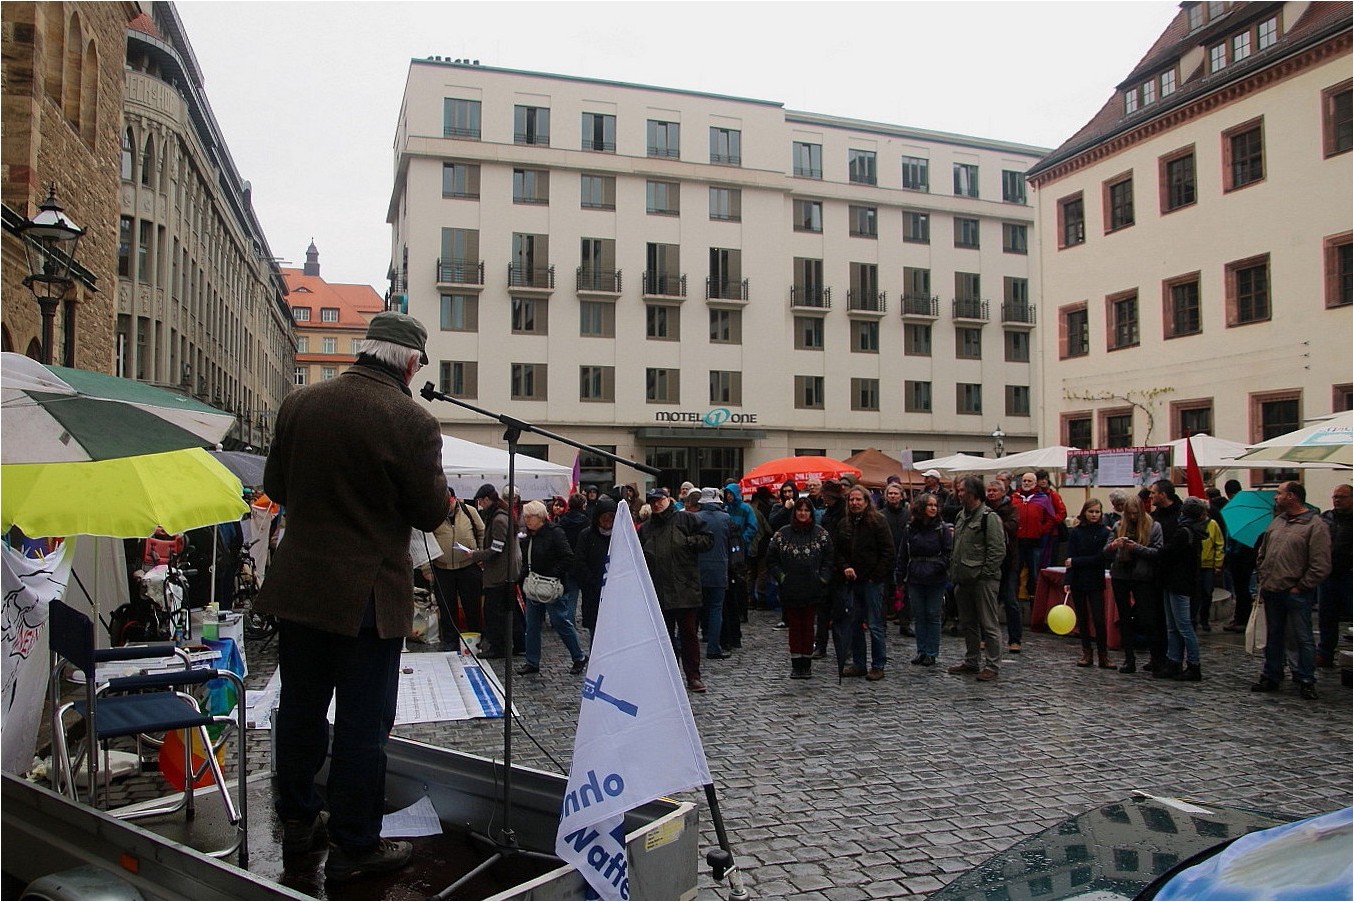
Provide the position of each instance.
(975, 569)
(357, 463)
(672, 541)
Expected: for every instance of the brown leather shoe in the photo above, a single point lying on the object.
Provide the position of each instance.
(851, 670)
(695, 685)
(963, 668)
(987, 675)
(875, 674)
(1085, 660)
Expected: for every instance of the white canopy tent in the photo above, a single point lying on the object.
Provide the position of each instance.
(469, 465)
(951, 463)
(1054, 457)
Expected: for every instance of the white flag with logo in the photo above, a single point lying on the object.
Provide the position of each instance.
(636, 739)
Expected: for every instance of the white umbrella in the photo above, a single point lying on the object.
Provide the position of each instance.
(1054, 457)
(952, 463)
(1215, 453)
(1326, 441)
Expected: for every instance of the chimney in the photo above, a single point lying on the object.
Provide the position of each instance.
(312, 267)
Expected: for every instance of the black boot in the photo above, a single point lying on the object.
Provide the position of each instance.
(799, 668)
(1130, 664)
(1167, 670)
(1190, 674)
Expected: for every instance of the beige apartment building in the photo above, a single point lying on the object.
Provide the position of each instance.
(1195, 253)
(331, 320)
(704, 282)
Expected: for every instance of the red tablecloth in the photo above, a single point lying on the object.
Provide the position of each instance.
(1048, 591)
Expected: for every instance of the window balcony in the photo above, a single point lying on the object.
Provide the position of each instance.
(725, 289)
(538, 277)
(455, 131)
(531, 138)
(664, 285)
(810, 298)
(920, 306)
(971, 309)
(1017, 313)
(866, 301)
(665, 153)
(597, 281)
(599, 146)
(808, 172)
(726, 159)
(460, 272)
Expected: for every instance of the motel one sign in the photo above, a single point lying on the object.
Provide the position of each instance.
(715, 416)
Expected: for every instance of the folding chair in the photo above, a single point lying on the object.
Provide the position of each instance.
(152, 705)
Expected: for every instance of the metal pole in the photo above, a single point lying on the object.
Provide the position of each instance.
(736, 888)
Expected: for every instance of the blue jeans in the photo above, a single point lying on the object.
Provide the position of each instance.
(927, 603)
(867, 607)
(1179, 631)
(362, 674)
(561, 613)
(712, 609)
(1280, 608)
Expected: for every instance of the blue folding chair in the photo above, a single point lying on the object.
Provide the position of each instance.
(137, 705)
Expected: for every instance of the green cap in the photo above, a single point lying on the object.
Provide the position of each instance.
(401, 329)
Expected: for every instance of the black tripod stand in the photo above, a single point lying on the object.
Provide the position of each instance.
(505, 844)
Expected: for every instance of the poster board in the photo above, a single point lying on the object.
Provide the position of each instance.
(1134, 467)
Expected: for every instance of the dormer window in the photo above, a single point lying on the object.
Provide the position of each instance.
(1149, 92)
(1241, 46)
(300, 314)
(1217, 57)
(1195, 13)
(1167, 83)
(1268, 33)
(1130, 101)
(329, 314)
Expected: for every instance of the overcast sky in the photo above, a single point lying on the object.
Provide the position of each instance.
(306, 93)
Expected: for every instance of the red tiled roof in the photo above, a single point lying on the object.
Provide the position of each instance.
(146, 25)
(356, 303)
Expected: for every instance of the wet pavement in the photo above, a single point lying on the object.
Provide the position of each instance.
(866, 790)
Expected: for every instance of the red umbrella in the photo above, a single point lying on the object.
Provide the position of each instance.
(799, 469)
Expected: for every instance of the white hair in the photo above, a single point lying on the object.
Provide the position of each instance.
(390, 353)
(535, 509)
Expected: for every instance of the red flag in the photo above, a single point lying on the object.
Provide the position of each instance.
(1194, 478)
(575, 475)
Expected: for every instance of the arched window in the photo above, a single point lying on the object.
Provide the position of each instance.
(148, 162)
(54, 42)
(127, 151)
(89, 95)
(70, 71)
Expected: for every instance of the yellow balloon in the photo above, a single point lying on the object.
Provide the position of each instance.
(1062, 619)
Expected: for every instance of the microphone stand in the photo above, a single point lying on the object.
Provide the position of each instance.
(506, 845)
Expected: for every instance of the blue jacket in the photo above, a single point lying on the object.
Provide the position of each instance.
(741, 513)
(714, 563)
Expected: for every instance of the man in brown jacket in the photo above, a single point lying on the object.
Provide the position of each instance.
(357, 464)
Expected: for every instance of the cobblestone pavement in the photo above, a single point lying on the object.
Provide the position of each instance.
(866, 790)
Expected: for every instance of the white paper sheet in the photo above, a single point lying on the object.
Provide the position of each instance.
(419, 819)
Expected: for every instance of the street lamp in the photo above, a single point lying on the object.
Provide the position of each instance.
(999, 442)
(50, 239)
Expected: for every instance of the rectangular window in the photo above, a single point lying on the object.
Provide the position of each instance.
(329, 345)
(599, 132)
(969, 398)
(809, 392)
(1119, 204)
(596, 319)
(597, 383)
(1248, 291)
(530, 125)
(1130, 101)
(664, 139)
(726, 274)
(916, 174)
(1121, 315)
(300, 314)
(808, 333)
(1177, 180)
(662, 323)
(529, 265)
(528, 382)
(145, 241)
(1268, 33)
(1015, 295)
(1339, 291)
(1244, 155)
(863, 222)
(1191, 417)
(663, 198)
(1149, 92)
(303, 344)
(1071, 221)
(597, 192)
(354, 344)
(865, 286)
(864, 394)
(1076, 430)
(661, 386)
(808, 282)
(726, 387)
(1117, 428)
(1241, 46)
(663, 273)
(530, 186)
(1195, 12)
(1017, 346)
(1167, 83)
(1272, 415)
(968, 343)
(965, 232)
(1017, 400)
(460, 118)
(865, 336)
(968, 286)
(125, 246)
(460, 259)
(1012, 186)
(529, 316)
(916, 227)
(597, 264)
(1015, 238)
(808, 215)
(917, 340)
(860, 167)
(1217, 57)
(327, 373)
(1076, 331)
(726, 327)
(807, 160)
(1337, 124)
(726, 204)
(726, 146)
(1181, 298)
(917, 284)
(300, 375)
(966, 179)
(916, 396)
(461, 180)
(459, 378)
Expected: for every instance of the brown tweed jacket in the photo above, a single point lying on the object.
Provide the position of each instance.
(357, 464)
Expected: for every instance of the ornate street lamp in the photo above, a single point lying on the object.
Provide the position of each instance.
(999, 442)
(49, 240)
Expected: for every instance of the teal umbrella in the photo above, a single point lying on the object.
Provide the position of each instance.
(1247, 514)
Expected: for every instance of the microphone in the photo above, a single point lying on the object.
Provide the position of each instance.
(428, 392)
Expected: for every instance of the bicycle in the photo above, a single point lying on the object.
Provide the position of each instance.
(257, 626)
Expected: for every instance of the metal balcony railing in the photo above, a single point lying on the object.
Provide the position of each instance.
(820, 298)
(670, 153)
(921, 305)
(970, 308)
(667, 285)
(727, 159)
(520, 276)
(1017, 312)
(599, 146)
(460, 272)
(530, 138)
(726, 289)
(867, 301)
(598, 280)
(808, 172)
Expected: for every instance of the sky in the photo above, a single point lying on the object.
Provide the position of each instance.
(307, 93)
